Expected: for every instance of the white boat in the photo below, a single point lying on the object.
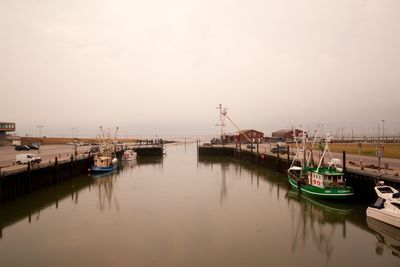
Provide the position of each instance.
(387, 207)
(129, 155)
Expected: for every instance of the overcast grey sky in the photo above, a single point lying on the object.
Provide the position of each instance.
(161, 67)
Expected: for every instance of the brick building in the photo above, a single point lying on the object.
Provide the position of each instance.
(285, 135)
(253, 135)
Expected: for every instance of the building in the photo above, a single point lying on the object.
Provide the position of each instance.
(6, 127)
(285, 135)
(253, 135)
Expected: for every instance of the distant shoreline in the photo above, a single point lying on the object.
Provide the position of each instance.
(65, 140)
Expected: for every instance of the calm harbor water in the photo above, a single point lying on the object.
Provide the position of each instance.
(182, 210)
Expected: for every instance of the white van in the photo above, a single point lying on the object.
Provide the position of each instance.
(25, 158)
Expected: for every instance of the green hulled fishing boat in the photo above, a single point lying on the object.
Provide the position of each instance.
(322, 181)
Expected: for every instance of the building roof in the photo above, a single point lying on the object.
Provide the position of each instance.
(286, 131)
(248, 130)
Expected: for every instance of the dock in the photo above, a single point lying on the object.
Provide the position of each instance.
(23, 179)
(362, 181)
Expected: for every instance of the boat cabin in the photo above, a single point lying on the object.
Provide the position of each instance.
(102, 161)
(325, 178)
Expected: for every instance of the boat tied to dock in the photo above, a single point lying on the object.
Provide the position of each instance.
(322, 181)
(387, 206)
(105, 160)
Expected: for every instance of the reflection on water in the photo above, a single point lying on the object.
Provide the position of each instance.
(185, 210)
(30, 206)
(387, 237)
(311, 220)
(316, 221)
(104, 185)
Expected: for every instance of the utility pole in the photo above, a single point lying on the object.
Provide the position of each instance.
(40, 130)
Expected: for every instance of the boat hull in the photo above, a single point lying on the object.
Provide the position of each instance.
(323, 193)
(102, 169)
(383, 216)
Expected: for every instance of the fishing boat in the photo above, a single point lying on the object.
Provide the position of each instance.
(129, 154)
(105, 160)
(387, 207)
(321, 181)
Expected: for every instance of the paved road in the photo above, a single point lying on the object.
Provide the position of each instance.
(46, 152)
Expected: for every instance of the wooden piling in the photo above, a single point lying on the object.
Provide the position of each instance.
(288, 157)
(277, 158)
(344, 161)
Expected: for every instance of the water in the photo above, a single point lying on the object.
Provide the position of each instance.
(185, 211)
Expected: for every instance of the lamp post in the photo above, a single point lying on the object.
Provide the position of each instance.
(40, 130)
(383, 130)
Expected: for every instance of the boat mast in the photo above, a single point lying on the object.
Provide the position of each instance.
(221, 121)
(223, 113)
(298, 147)
(326, 150)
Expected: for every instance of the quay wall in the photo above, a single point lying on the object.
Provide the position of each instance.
(149, 151)
(362, 182)
(35, 177)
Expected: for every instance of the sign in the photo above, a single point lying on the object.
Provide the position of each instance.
(359, 145)
(380, 149)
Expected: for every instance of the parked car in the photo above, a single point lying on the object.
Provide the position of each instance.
(35, 147)
(25, 158)
(94, 149)
(250, 146)
(282, 149)
(18, 148)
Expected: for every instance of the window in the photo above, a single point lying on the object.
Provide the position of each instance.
(385, 190)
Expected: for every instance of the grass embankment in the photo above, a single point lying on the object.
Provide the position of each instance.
(63, 141)
(390, 150)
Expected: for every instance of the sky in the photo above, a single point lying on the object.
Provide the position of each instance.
(160, 68)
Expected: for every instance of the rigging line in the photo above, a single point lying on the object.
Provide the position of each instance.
(240, 131)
